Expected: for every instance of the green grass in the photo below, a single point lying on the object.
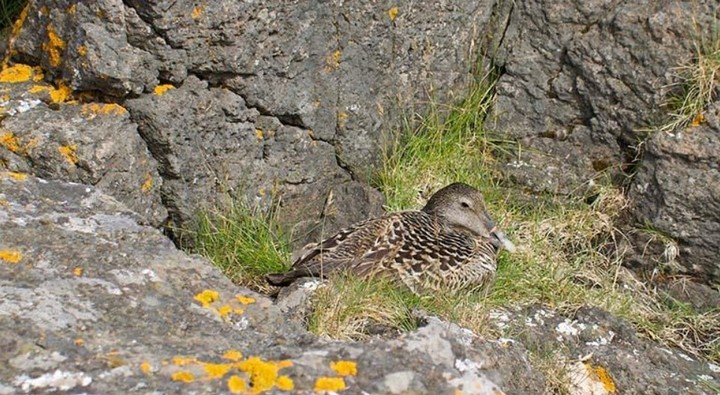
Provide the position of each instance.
(9, 11)
(245, 243)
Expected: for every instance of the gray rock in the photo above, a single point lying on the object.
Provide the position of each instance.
(91, 301)
(675, 199)
(94, 143)
(579, 79)
(593, 345)
(321, 83)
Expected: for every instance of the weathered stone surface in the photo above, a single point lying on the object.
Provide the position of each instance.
(319, 84)
(91, 301)
(581, 78)
(94, 143)
(676, 195)
(597, 350)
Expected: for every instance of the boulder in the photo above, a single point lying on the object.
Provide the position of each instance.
(675, 201)
(92, 301)
(275, 102)
(580, 82)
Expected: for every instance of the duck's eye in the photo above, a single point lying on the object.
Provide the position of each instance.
(464, 204)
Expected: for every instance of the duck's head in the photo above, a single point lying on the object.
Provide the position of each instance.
(462, 207)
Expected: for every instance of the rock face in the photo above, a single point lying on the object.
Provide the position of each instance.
(276, 101)
(580, 79)
(676, 195)
(92, 301)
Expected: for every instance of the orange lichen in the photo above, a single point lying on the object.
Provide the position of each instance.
(602, 375)
(78, 271)
(17, 73)
(341, 118)
(224, 310)
(54, 47)
(71, 10)
(285, 383)
(79, 342)
(147, 184)
(245, 300)
(392, 13)
(233, 355)
(698, 120)
(332, 61)
(10, 256)
(236, 384)
(161, 89)
(106, 108)
(197, 12)
(344, 368)
(216, 370)
(146, 368)
(262, 374)
(206, 297)
(38, 74)
(185, 377)
(68, 151)
(82, 50)
(329, 384)
(17, 26)
(182, 361)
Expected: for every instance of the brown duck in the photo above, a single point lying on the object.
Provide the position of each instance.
(451, 244)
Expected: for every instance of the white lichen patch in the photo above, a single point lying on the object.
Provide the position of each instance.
(685, 357)
(56, 381)
(602, 340)
(472, 383)
(713, 368)
(569, 328)
(499, 318)
(41, 360)
(398, 382)
(127, 277)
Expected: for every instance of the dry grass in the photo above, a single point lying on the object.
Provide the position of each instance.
(568, 256)
(698, 85)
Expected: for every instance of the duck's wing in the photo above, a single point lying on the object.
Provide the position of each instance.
(342, 251)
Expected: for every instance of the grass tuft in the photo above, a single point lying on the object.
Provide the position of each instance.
(245, 243)
(698, 85)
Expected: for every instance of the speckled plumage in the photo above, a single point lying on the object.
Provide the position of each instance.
(450, 244)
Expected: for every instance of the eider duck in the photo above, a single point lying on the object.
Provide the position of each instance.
(449, 245)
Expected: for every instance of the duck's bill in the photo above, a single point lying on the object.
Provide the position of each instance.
(503, 241)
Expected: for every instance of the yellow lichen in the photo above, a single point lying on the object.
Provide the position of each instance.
(259, 134)
(332, 61)
(233, 355)
(147, 184)
(245, 300)
(145, 367)
(68, 151)
(344, 368)
(602, 375)
(206, 297)
(216, 370)
(82, 50)
(17, 73)
(54, 46)
(698, 120)
(285, 383)
(9, 141)
(161, 89)
(185, 377)
(182, 361)
(197, 12)
(10, 256)
(71, 10)
(15, 175)
(17, 26)
(329, 384)
(236, 385)
(57, 95)
(78, 271)
(392, 13)
(224, 310)
(262, 374)
(38, 74)
(341, 118)
(106, 108)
